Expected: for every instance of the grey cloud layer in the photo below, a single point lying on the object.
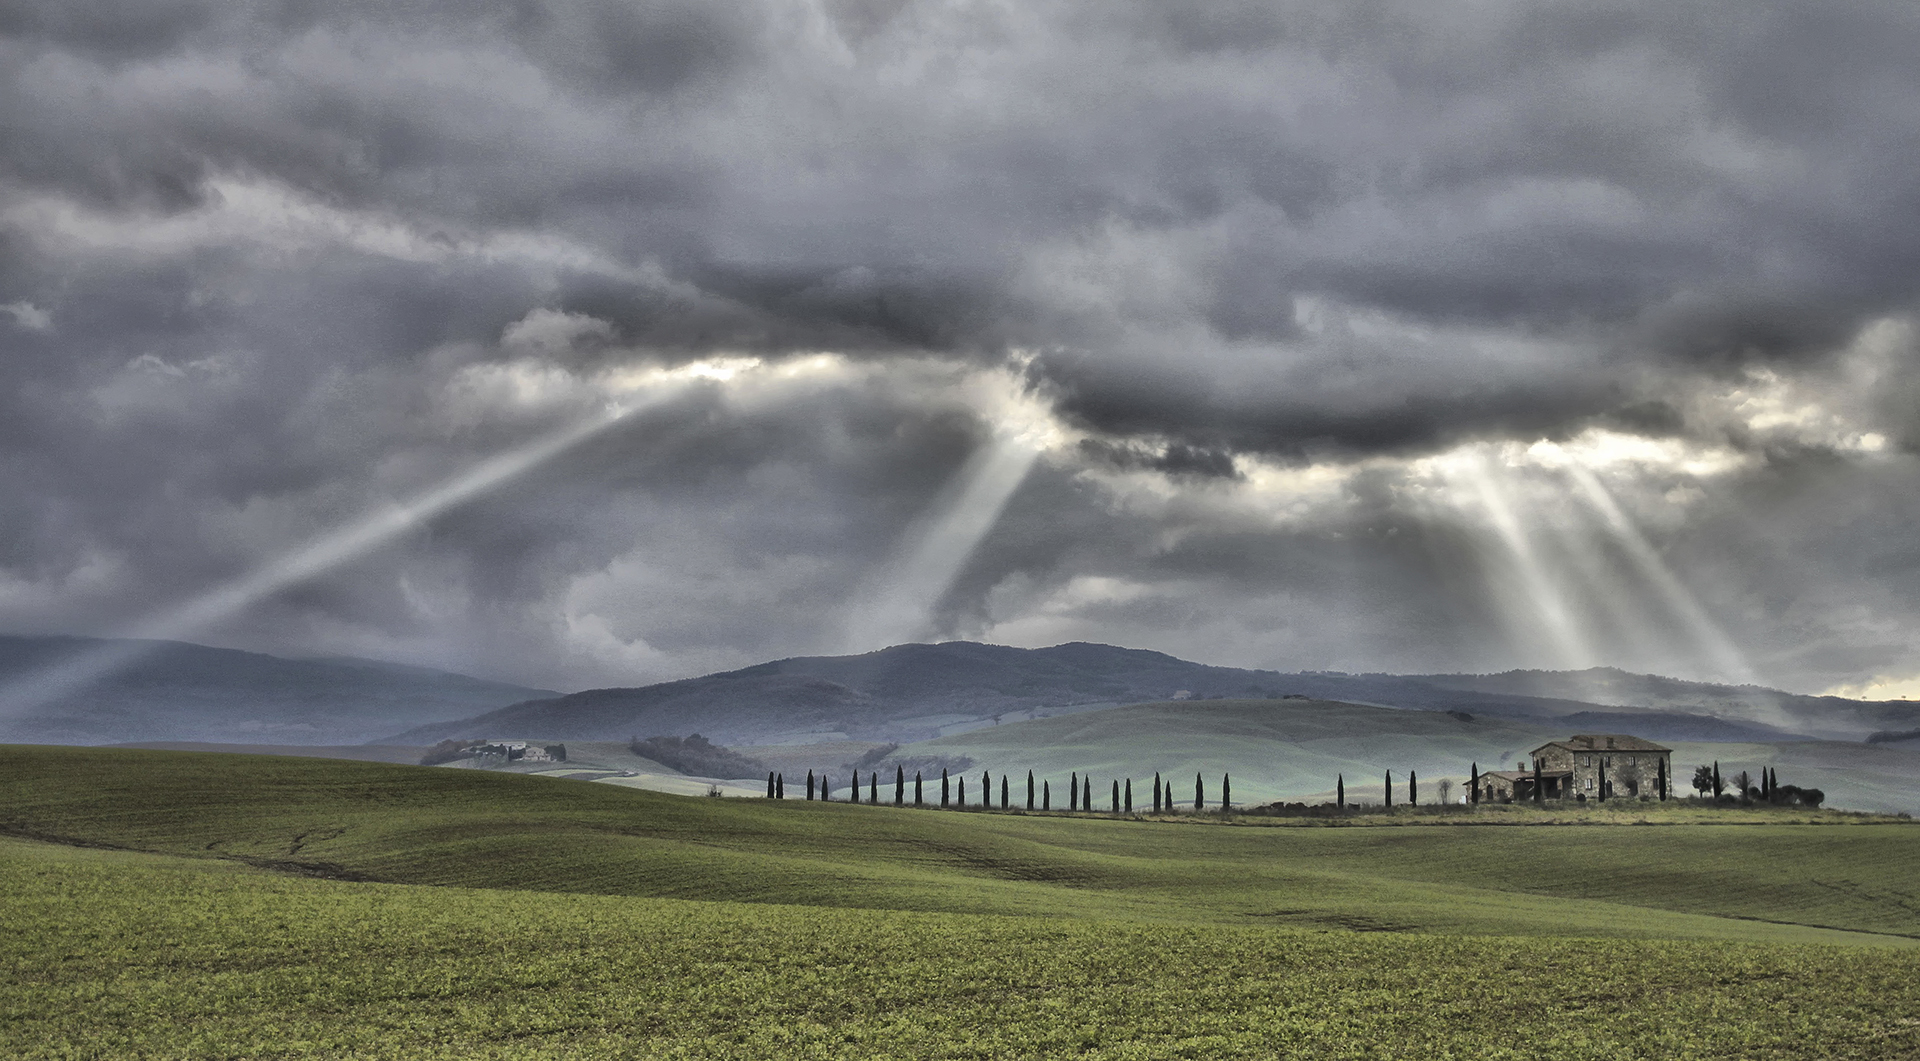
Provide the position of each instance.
(1212, 231)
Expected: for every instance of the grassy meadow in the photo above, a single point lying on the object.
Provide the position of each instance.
(179, 905)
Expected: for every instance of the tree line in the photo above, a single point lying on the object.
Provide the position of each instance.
(1747, 790)
(1118, 792)
(1038, 792)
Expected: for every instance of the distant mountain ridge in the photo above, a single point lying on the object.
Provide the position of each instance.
(915, 692)
(903, 694)
(177, 691)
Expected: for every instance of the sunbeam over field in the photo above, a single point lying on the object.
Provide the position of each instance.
(1710, 641)
(315, 558)
(938, 545)
(1539, 590)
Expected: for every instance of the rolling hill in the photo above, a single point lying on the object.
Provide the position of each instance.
(419, 825)
(188, 905)
(1299, 749)
(174, 691)
(916, 692)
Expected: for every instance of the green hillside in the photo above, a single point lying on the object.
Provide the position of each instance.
(480, 829)
(1295, 749)
(179, 905)
(1273, 748)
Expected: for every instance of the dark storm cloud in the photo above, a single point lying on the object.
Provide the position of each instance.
(1717, 183)
(251, 249)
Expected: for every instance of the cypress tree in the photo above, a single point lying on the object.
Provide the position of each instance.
(1046, 795)
(1716, 779)
(1073, 791)
(946, 792)
(769, 784)
(1340, 790)
(779, 786)
(1156, 792)
(1029, 789)
(1539, 791)
(1660, 781)
(961, 802)
(1226, 793)
(1474, 781)
(1603, 778)
(986, 788)
(1114, 807)
(1086, 793)
(1199, 793)
(1004, 801)
(809, 784)
(918, 801)
(1129, 795)
(899, 784)
(873, 787)
(1413, 788)
(1387, 787)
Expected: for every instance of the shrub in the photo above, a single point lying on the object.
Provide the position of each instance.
(696, 755)
(449, 750)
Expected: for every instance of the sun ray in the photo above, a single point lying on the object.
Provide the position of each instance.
(900, 603)
(316, 557)
(1545, 598)
(1713, 642)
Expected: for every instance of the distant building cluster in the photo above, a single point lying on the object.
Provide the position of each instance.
(1584, 766)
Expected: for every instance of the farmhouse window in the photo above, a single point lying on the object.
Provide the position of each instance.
(1589, 783)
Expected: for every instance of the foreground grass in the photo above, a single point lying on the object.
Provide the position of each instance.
(121, 955)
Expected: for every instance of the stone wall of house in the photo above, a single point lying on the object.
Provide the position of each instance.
(1630, 773)
(1495, 789)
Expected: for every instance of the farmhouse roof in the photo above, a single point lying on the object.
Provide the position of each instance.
(1603, 742)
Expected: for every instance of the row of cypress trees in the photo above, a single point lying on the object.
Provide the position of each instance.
(953, 791)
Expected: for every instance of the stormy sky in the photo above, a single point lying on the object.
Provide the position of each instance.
(613, 341)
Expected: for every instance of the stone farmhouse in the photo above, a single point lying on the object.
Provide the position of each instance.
(1586, 766)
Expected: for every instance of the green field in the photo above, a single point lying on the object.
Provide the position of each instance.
(483, 914)
(1290, 749)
